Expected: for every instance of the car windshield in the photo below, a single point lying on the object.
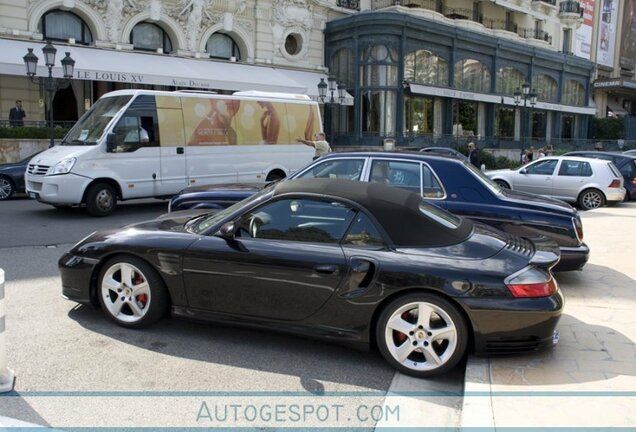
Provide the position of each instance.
(490, 184)
(200, 224)
(90, 128)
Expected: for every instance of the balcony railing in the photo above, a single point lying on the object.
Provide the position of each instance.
(529, 33)
(550, 2)
(349, 4)
(499, 24)
(570, 7)
(434, 5)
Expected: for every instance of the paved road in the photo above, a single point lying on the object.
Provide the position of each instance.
(177, 373)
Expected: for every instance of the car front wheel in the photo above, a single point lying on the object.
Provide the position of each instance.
(101, 199)
(131, 292)
(422, 335)
(6, 188)
(503, 184)
(591, 199)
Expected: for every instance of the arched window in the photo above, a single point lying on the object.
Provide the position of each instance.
(63, 25)
(342, 67)
(222, 46)
(574, 93)
(150, 37)
(546, 88)
(509, 80)
(472, 75)
(424, 67)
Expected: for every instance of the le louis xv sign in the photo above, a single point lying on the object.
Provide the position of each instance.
(109, 76)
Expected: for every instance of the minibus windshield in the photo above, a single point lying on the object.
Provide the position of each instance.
(89, 129)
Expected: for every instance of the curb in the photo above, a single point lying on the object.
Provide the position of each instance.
(477, 408)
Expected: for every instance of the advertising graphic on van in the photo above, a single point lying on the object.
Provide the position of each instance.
(138, 144)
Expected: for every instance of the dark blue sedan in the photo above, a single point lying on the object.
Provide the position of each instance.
(448, 182)
(12, 177)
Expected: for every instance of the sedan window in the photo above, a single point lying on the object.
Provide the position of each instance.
(348, 169)
(542, 167)
(405, 175)
(301, 220)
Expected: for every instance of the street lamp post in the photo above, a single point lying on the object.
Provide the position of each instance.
(527, 94)
(50, 84)
(332, 100)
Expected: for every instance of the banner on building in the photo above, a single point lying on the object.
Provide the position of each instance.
(628, 37)
(583, 36)
(608, 30)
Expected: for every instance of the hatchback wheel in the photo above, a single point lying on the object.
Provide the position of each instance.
(422, 335)
(131, 293)
(6, 188)
(503, 184)
(591, 199)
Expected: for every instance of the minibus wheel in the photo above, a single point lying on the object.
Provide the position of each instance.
(101, 199)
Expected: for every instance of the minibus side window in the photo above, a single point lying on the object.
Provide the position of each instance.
(133, 132)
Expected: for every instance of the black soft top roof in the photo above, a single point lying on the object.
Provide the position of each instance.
(397, 210)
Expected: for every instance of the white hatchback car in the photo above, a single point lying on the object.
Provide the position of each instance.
(591, 183)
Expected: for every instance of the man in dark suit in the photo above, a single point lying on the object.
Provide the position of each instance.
(473, 154)
(17, 114)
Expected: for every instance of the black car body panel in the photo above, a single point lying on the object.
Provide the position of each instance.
(626, 164)
(15, 172)
(278, 284)
(466, 193)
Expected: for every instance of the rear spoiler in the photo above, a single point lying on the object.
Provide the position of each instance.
(546, 253)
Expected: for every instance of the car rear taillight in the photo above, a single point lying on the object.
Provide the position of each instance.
(616, 183)
(532, 282)
(634, 181)
(578, 227)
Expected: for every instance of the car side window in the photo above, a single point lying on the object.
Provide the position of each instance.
(363, 232)
(405, 175)
(300, 220)
(571, 168)
(349, 169)
(542, 167)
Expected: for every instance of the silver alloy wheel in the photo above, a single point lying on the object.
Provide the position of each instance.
(421, 336)
(6, 188)
(125, 292)
(591, 200)
(104, 200)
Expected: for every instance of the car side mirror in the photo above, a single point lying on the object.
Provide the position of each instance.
(523, 171)
(227, 230)
(111, 146)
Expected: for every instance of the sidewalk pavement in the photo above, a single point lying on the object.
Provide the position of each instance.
(589, 378)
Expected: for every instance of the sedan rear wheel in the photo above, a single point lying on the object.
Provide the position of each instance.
(503, 184)
(422, 335)
(591, 199)
(6, 188)
(131, 293)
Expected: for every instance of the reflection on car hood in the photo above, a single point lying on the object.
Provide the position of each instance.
(8, 166)
(530, 198)
(171, 221)
(239, 187)
(55, 154)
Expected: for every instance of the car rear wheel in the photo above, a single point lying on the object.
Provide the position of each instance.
(422, 335)
(6, 188)
(503, 184)
(590, 199)
(101, 199)
(131, 292)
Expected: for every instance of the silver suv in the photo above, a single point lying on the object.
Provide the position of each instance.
(591, 183)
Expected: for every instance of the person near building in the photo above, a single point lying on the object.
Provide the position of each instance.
(17, 115)
(531, 154)
(320, 145)
(473, 154)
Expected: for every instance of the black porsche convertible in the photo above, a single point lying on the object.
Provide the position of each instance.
(359, 263)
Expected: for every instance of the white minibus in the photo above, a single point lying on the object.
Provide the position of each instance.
(139, 143)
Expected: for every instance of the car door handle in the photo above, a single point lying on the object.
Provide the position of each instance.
(326, 269)
(180, 150)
